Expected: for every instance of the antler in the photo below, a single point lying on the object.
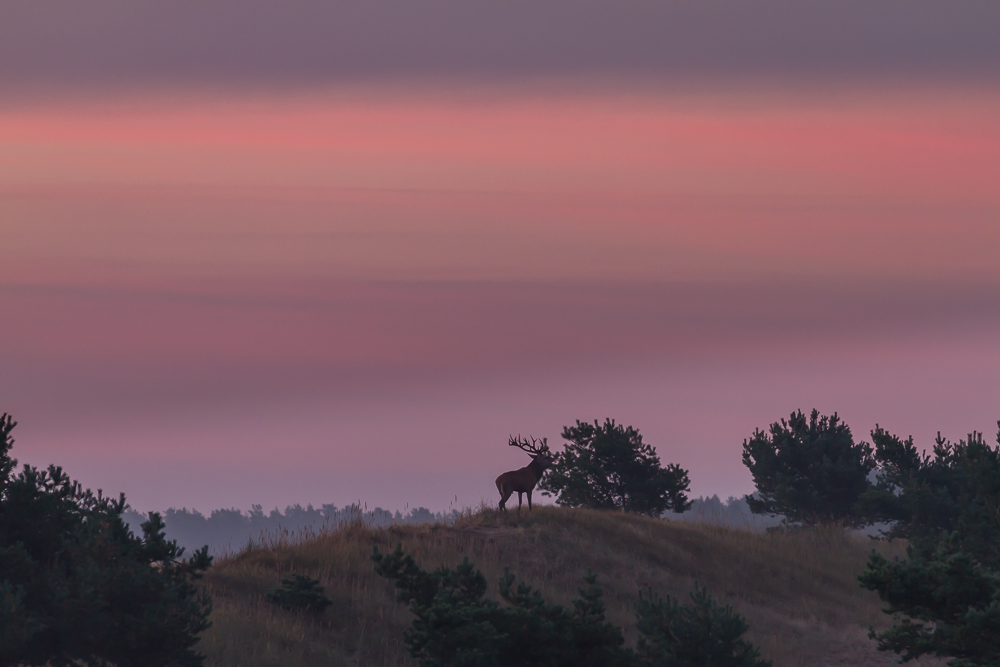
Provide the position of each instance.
(535, 447)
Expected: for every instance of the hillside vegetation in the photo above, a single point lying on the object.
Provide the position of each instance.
(798, 591)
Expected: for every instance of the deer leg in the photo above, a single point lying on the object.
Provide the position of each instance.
(504, 495)
(529, 501)
(520, 500)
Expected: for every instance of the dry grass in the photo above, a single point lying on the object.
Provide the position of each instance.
(798, 591)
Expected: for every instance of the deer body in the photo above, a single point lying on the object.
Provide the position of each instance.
(523, 480)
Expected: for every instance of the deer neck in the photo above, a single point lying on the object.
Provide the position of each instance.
(536, 468)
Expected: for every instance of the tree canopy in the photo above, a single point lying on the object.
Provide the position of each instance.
(78, 587)
(809, 470)
(948, 588)
(608, 466)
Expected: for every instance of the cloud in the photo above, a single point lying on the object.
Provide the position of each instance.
(117, 45)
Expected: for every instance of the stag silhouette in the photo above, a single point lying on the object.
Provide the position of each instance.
(524, 479)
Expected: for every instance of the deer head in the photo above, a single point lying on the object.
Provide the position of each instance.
(538, 450)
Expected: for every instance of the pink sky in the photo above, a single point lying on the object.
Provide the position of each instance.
(357, 292)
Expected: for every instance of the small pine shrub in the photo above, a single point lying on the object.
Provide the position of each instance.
(455, 626)
(700, 633)
(300, 593)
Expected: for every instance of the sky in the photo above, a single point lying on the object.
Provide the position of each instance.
(314, 252)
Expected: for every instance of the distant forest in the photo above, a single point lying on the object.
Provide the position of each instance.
(226, 531)
(733, 513)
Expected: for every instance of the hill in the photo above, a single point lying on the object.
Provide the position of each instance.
(798, 591)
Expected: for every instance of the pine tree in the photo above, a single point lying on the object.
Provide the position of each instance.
(809, 470)
(77, 587)
(947, 590)
(608, 466)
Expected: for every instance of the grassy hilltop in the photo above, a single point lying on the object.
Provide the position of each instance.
(799, 592)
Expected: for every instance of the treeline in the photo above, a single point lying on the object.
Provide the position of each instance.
(731, 513)
(228, 531)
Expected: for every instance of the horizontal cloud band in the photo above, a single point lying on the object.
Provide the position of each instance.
(118, 44)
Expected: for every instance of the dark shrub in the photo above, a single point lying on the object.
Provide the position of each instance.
(608, 466)
(809, 470)
(76, 586)
(299, 592)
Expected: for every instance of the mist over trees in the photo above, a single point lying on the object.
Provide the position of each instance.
(732, 513)
(229, 530)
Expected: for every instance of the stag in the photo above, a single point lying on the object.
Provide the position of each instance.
(524, 480)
